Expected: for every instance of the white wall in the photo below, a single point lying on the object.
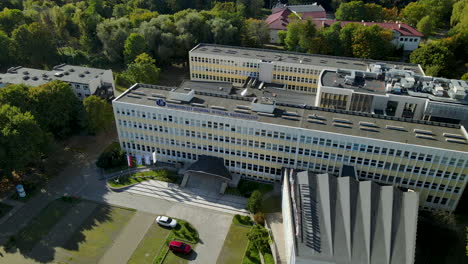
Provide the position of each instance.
(287, 222)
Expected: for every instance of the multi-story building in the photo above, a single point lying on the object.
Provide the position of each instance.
(391, 92)
(330, 220)
(259, 132)
(295, 71)
(85, 81)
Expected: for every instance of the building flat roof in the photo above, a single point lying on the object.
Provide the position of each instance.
(307, 117)
(298, 58)
(332, 79)
(63, 72)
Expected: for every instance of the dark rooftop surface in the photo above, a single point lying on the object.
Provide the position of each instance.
(313, 118)
(332, 79)
(210, 165)
(298, 58)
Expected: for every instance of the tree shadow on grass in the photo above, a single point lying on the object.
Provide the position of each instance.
(67, 229)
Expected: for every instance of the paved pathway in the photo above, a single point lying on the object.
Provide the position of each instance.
(276, 223)
(128, 239)
(190, 196)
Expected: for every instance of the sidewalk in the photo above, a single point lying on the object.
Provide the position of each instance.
(162, 190)
(128, 239)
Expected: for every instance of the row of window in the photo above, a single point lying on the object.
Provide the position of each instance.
(277, 135)
(296, 70)
(224, 71)
(284, 149)
(294, 78)
(215, 61)
(409, 39)
(217, 78)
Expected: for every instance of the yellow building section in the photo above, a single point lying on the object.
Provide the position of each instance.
(221, 66)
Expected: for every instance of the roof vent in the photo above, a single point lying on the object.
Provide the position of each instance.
(425, 136)
(25, 77)
(26, 73)
(72, 70)
(398, 128)
(58, 74)
(87, 72)
(424, 132)
(81, 75)
(35, 78)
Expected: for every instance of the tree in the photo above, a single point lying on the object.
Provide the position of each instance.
(435, 57)
(34, 45)
(259, 237)
(113, 156)
(56, 107)
(414, 12)
(223, 31)
(99, 114)
(254, 202)
(371, 42)
(112, 33)
(143, 70)
(11, 19)
(255, 33)
(21, 139)
(7, 47)
(459, 18)
(357, 11)
(425, 25)
(438, 10)
(252, 7)
(300, 35)
(134, 45)
(16, 95)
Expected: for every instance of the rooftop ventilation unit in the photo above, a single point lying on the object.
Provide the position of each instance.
(134, 96)
(398, 128)
(72, 70)
(173, 101)
(198, 105)
(58, 74)
(314, 116)
(242, 111)
(424, 132)
(369, 129)
(457, 136)
(342, 125)
(138, 93)
(343, 121)
(158, 95)
(287, 113)
(316, 121)
(453, 140)
(218, 108)
(243, 107)
(81, 75)
(291, 118)
(87, 72)
(425, 136)
(266, 114)
(368, 124)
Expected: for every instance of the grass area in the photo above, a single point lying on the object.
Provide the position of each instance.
(252, 256)
(185, 231)
(4, 209)
(268, 258)
(116, 169)
(242, 220)
(247, 187)
(234, 245)
(150, 245)
(172, 258)
(129, 179)
(271, 204)
(40, 225)
(96, 235)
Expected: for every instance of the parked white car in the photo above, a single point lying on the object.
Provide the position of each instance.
(166, 221)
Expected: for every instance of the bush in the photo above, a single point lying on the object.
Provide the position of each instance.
(247, 187)
(259, 218)
(259, 237)
(268, 258)
(242, 220)
(112, 156)
(254, 203)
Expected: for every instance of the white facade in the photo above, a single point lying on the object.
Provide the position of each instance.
(260, 150)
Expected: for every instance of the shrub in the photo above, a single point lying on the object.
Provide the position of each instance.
(242, 220)
(112, 156)
(254, 202)
(259, 218)
(259, 237)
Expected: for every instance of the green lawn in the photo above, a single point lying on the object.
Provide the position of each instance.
(172, 258)
(159, 175)
(96, 235)
(234, 245)
(150, 245)
(41, 224)
(4, 209)
(185, 231)
(252, 256)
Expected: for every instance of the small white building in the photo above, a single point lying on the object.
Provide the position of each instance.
(85, 81)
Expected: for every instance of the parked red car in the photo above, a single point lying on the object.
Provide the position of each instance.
(177, 246)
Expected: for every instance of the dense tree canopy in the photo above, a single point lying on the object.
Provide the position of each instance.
(21, 139)
(142, 70)
(99, 114)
